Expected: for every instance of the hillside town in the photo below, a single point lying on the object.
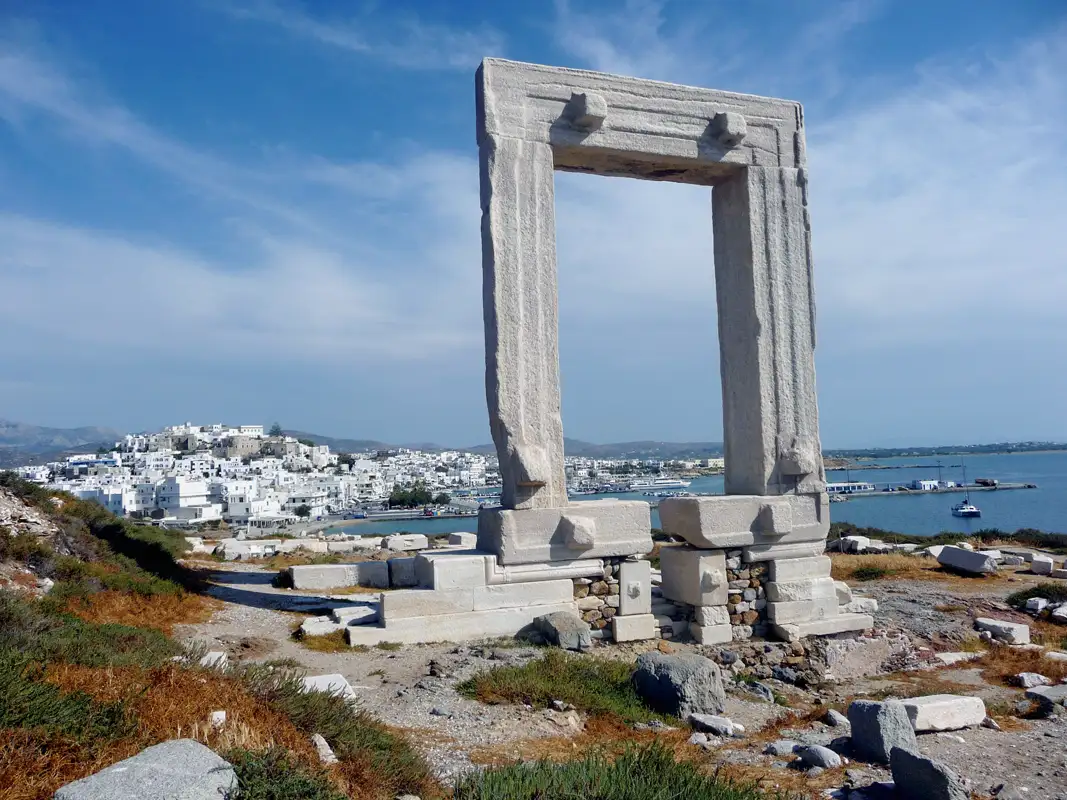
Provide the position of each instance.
(246, 475)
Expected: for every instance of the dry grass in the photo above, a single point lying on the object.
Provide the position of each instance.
(160, 611)
(897, 566)
(1000, 664)
(169, 702)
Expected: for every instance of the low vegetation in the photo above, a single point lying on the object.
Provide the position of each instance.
(899, 566)
(1002, 664)
(327, 643)
(984, 538)
(1053, 592)
(596, 686)
(647, 773)
(84, 682)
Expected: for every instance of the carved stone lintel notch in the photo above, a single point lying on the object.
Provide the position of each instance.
(586, 110)
(729, 128)
(798, 457)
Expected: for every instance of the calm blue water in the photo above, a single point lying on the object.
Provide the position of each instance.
(1044, 508)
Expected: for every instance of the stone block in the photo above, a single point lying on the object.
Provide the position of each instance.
(462, 627)
(844, 593)
(372, 574)
(406, 541)
(773, 552)
(1048, 695)
(1058, 573)
(1008, 632)
(804, 589)
(944, 712)
(967, 561)
(633, 628)
(330, 684)
(425, 603)
(520, 595)
(712, 634)
(742, 520)
(803, 610)
(860, 605)
(463, 539)
(635, 582)
(402, 573)
(320, 626)
(879, 727)
(1041, 564)
(452, 570)
(696, 577)
(794, 569)
(842, 623)
(608, 528)
(179, 769)
(854, 544)
(711, 615)
(355, 615)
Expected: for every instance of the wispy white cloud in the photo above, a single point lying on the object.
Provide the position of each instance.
(407, 41)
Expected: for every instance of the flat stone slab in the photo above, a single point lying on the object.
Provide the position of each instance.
(1049, 694)
(842, 623)
(586, 530)
(330, 684)
(1008, 632)
(372, 574)
(633, 628)
(460, 627)
(944, 712)
(181, 769)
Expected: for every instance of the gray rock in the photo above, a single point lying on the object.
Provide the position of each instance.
(709, 723)
(879, 727)
(1028, 680)
(762, 691)
(699, 739)
(680, 684)
(1048, 696)
(565, 630)
(816, 755)
(322, 747)
(181, 769)
(923, 778)
(815, 772)
(835, 719)
(781, 747)
(784, 674)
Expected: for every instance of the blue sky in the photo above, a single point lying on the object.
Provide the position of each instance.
(259, 210)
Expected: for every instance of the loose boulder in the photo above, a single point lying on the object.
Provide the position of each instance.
(968, 561)
(920, 778)
(1041, 564)
(1007, 632)
(680, 684)
(710, 723)
(1036, 604)
(818, 756)
(1028, 680)
(944, 712)
(182, 769)
(879, 727)
(565, 630)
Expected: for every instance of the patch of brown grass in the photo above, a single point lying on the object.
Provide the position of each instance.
(169, 702)
(1000, 664)
(792, 782)
(160, 611)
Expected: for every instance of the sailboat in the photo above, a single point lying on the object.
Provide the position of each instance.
(966, 509)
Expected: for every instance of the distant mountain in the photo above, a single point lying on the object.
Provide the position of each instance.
(35, 444)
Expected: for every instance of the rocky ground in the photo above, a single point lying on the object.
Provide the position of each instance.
(412, 688)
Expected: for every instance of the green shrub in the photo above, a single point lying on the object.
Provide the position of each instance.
(598, 686)
(649, 773)
(1053, 592)
(27, 702)
(351, 732)
(40, 632)
(870, 573)
(274, 775)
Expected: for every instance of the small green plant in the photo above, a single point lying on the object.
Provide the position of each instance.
(327, 643)
(388, 646)
(649, 773)
(870, 573)
(26, 701)
(377, 673)
(593, 685)
(274, 775)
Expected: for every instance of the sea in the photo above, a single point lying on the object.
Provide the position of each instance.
(1043, 508)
